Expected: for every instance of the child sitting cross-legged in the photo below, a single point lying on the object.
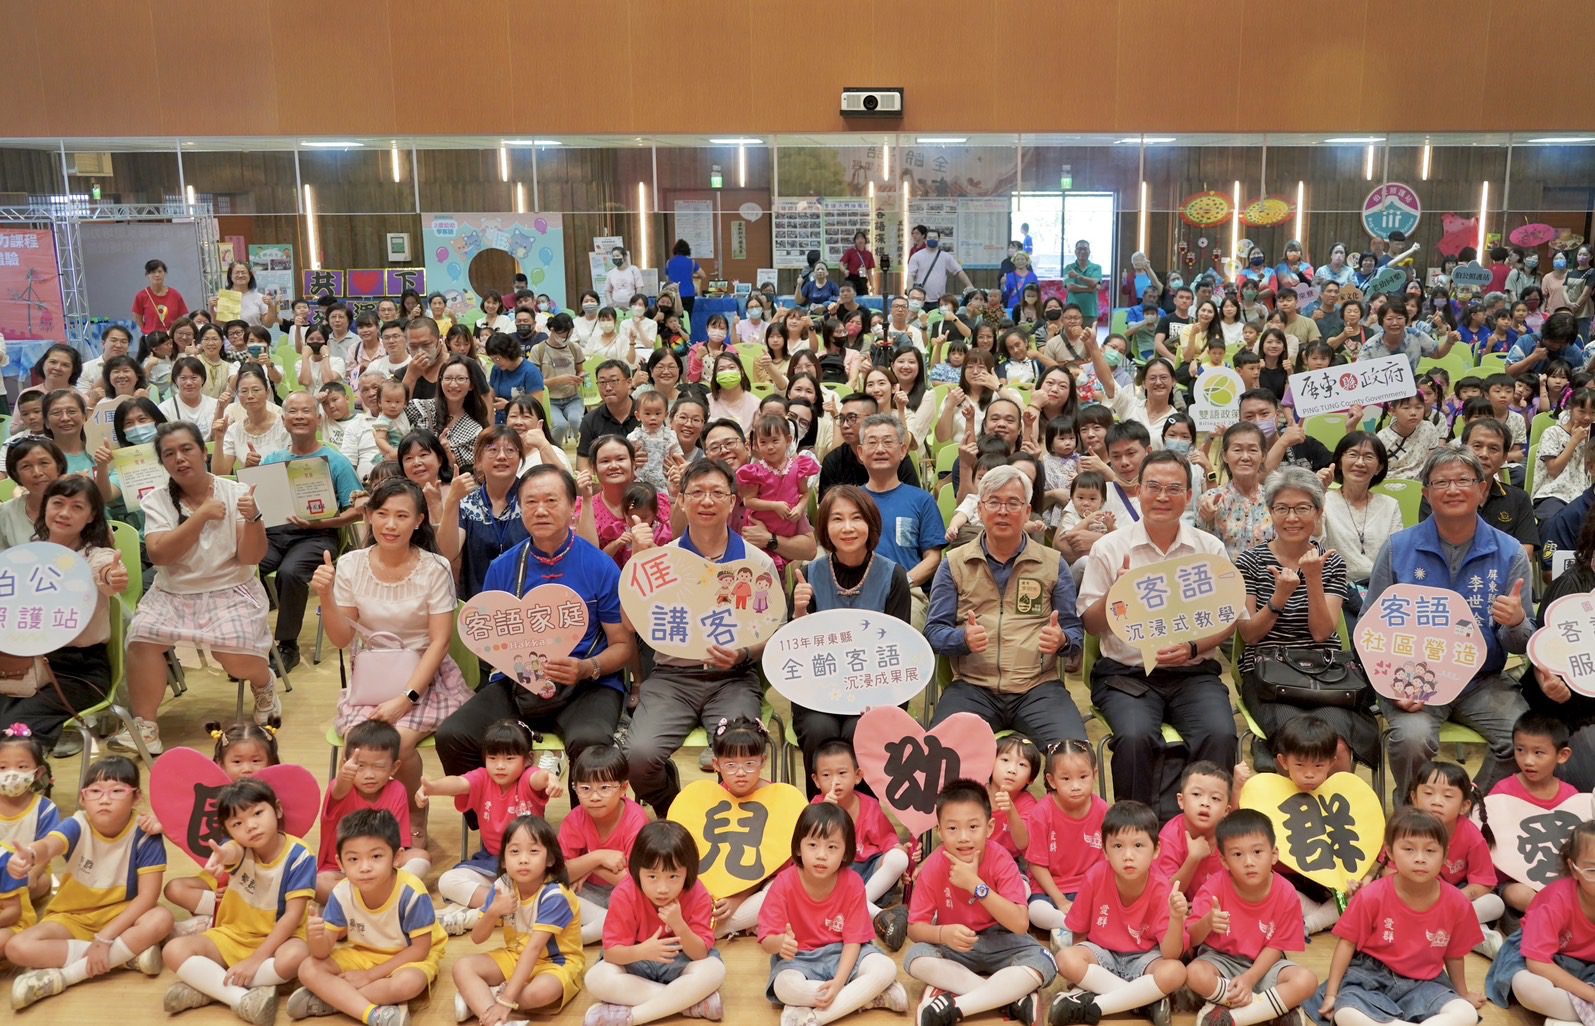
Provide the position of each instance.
(880, 859)
(598, 834)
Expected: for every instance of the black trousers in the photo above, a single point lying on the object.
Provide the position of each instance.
(294, 553)
(84, 675)
(581, 717)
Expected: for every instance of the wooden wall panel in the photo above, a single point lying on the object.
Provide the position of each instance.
(646, 67)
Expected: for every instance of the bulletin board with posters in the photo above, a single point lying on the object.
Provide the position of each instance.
(796, 226)
(845, 216)
(464, 251)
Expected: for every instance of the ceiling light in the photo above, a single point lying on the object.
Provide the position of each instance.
(1358, 140)
(330, 144)
(547, 142)
(742, 141)
(1564, 139)
(1135, 140)
(941, 140)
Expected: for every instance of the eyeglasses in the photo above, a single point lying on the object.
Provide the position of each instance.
(598, 790)
(712, 495)
(113, 792)
(1455, 485)
(879, 445)
(724, 445)
(1360, 457)
(1004, 505)
(1158, 489)
(745, 768)
(848, 418)
(1301, 512)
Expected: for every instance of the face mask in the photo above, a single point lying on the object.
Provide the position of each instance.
(617, 261)
(1560, 263)
(15, 783)
(543, 307)
(716, 335)
(755, 313)
(853, 329)
(932, 243)
(728, 379)
(1249, 295)
(1054, 314)
(639, 311)
(1177, 445)
(916, 305)
(589, 309)
(607, 327)
(138, 434)
(1531, 262)
(524, 332)
(1270, 428)
(1113, 358)
(1257, 261)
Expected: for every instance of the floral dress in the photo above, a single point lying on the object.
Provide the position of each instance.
(1240, 523)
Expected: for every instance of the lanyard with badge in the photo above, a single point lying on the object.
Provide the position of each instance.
(1129, 505)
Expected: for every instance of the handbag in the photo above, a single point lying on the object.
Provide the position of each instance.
(1308, 676)
(382, 668)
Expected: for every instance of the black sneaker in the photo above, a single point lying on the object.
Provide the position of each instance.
(1071, 1010)
(891, 926)
(1023, 1011)
(941, 1010)
(290, 657)
(1162, 1012)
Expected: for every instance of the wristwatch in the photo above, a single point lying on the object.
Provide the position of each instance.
(982, 892)
(1276, 610)
(414, 696)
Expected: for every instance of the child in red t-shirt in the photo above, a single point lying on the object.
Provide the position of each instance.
(598, 834)
(659, 956)
(1557, 944)
(1540, 744)
(881, 859)
(1244, 923)
(968, 920)
(815, 923)
(1403, 940)
(1128, 924)
(1018, 762)
(1444, 789)
(507, 787)
(1186, 854)
(365, 781)
(1065, 836)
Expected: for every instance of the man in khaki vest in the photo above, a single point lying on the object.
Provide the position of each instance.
(1002, 609)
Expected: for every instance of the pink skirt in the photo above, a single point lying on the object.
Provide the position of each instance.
(445, 697)
(231, 620)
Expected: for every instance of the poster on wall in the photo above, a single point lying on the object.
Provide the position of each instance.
(458, 258)
(695, 225)
(844, 215)
(798, 226)
(30, 287)
(598, 269)
(274, 267)
(982, 230)
(939, 215)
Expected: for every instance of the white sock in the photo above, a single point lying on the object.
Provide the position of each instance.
(793, 988)
(209, 978)
(206, 905)
(944, 974)
(1489, 907)
(889, 870)
(1538, 994)
(268, 976)
(1045, 914)
(593, 922)
(77, 969)
(418, 867)
(1100, 981)
(875, 973)
(1264, 1006)
(1454, 1013)
(1136, 993)
(613, 985)
(1004, 987)
(461, 886)
(1357, 1017)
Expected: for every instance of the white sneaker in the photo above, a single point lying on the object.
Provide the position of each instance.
(35, 986)
(302, 1004)
(149, 732)
(462, 1011)
(893, 999)
(258, 1007)
(268, 705)
(390, 1015)
(148, 961)
(1490, 946)
(180, 997)
(457, 920)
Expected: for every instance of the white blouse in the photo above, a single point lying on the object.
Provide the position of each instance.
(212, 563)
(1358, 537)
(403, 609)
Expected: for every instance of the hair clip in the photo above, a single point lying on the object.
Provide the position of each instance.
(23, 730)
(720, 728)
(216, 735)
(269, 730)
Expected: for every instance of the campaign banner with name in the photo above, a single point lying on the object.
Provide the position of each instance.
(1364, 383)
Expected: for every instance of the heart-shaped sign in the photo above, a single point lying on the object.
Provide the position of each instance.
(1529, 839)
(1330, 835)
(741, 841)
(1174, 601)
(49, 597)
(680, 603)
(906, 765)
(1420, 644)
(1565, 644)
(519, 635)
(183, 790)
(845, 661)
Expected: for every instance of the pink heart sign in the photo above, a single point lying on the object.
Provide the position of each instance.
(183, 790)
(1529, 839)
(519, 635)
(1421, 644)
(906, 766)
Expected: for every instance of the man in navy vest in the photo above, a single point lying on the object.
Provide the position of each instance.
(1457, 550)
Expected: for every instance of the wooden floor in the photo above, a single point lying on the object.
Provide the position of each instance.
(307, 711)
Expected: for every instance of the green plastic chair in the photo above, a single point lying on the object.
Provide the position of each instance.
(1491, 363)
(1532, 463)
(8, 488)
(1088, 658)
(1409, 494)
(1327, 428)
(1541, 422)
(126, 538)
(947, 502)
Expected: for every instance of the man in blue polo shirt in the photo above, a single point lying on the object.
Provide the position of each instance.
(294, 549)
(585, 707)
(912, 532)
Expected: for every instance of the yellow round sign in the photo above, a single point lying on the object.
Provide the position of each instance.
(1331, 835)
(741, 842)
